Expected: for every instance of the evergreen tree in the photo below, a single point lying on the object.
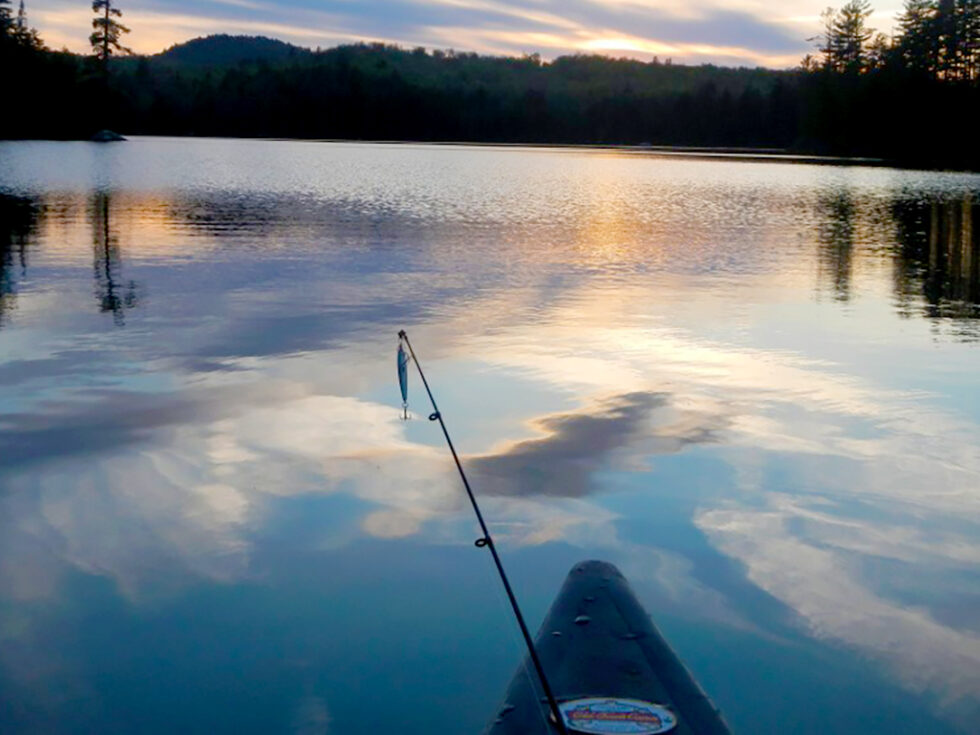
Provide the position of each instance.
(956, 34)
(851, 36)
(23, 33)
(6, 19)
(917, 48)
(828, 40)
(844, 42)
(879, 51)
(105, 40)
(941, 37)
(809, 64)
(946, 35)
(968, 17)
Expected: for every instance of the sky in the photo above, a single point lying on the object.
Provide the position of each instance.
(729, 32)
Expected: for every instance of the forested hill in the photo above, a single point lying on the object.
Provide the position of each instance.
(447, 68)
(224, 50)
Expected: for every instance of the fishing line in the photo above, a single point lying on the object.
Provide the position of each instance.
(486, 542)
(525, 669)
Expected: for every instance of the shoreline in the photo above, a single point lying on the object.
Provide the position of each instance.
(725, 152)
(769, 155)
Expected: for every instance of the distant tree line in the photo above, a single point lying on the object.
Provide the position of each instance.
(384, 92)
(912, 98)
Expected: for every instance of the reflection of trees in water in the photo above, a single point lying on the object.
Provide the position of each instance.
(18, 226)
(939, 247)
(936, 252)
(113, 296)
(836, 238)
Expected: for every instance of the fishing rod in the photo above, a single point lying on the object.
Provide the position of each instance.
(487, 540)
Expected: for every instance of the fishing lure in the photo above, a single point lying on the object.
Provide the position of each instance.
(403, 359)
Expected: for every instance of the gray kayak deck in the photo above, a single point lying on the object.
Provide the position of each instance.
(597, 641)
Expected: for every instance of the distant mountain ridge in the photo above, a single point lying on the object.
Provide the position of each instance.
(224, 49)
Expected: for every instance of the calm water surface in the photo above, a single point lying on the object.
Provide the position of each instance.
(753, 386)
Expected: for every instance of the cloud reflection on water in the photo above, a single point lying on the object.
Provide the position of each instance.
(883, 465)
(825, 588)
(154, 454)
(578, 444)
(295, 442)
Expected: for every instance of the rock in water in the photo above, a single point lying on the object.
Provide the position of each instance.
(107, 136)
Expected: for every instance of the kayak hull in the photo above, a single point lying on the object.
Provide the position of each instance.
(602, 653)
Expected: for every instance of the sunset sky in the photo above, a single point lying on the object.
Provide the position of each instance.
(730, 32)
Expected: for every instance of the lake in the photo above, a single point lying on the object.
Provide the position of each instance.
(753, 385)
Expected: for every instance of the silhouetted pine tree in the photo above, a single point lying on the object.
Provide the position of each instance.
(105, 40)
(916, 49)
(844, 42)
(23, 33)
(878, 52)
(828, 41)
(946, 33)
(6, 19)
(968, 22)
(852, 35)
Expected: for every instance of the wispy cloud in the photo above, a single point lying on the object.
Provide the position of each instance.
(743, 32)
(814, 578)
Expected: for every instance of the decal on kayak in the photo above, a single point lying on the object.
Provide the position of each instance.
(611, 716)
